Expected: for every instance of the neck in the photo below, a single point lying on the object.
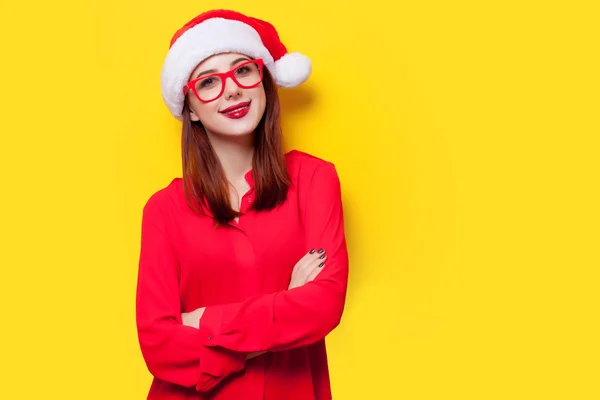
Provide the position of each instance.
(234, 153)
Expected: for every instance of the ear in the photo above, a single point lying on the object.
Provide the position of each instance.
(193, 116)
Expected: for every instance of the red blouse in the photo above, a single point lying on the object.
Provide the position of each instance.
(240, 272)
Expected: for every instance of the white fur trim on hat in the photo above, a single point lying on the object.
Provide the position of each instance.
(213, 36)
(292, 69)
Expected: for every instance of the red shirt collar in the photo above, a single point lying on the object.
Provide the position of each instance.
(250, 178)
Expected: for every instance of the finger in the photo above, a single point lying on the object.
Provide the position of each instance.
(317, 264)
(316, 269)
(308, 258)
(315, 253)
(318, 257)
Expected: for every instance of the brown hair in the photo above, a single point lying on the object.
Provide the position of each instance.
(204, 178)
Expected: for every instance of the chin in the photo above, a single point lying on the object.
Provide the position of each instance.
(237, 128)
(240, 127)
(236, 133)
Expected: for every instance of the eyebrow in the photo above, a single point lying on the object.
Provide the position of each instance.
(210, 71)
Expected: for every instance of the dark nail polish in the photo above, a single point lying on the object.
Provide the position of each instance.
(322, 256)
(321, 250)
(321, 265)
(312, 251)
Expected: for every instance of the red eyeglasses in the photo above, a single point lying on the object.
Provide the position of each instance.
(210, 87)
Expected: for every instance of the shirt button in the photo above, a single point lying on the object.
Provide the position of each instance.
(249, 199)
(209, 337)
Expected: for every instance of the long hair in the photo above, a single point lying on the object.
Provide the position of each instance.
(204, 180)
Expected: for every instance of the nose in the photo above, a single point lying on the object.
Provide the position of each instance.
(232, 90)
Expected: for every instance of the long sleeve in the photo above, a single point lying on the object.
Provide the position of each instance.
(303, 315)
(173, 352)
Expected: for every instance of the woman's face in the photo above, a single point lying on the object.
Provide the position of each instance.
(238, 110)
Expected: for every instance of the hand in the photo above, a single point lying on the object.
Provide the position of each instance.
(193, 318)
(308, 268)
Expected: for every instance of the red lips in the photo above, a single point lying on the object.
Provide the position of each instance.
(235, 107)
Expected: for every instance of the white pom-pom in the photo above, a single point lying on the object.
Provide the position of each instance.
(292, 69)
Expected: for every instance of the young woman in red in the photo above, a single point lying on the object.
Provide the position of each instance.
(243, 266)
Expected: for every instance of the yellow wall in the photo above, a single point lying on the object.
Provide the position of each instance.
(466, 137)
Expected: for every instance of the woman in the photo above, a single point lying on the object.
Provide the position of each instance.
(243, 265)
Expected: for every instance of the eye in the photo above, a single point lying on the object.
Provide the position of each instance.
(243, 70)
(208, 82)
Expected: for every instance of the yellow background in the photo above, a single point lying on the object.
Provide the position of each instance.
(466, 137)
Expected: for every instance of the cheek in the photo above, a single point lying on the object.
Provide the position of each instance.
(206, 111)
(260, 98)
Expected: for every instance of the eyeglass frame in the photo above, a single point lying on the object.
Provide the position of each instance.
(191, 85)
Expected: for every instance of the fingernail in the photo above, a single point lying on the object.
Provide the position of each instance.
(312, 251)
(321, 265)
(321, 250)
(322, 256)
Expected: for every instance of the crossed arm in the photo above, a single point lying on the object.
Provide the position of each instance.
(230, 333)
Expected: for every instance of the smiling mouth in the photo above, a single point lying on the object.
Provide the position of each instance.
(235, 108)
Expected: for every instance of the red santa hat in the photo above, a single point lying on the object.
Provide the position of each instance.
(220, 31)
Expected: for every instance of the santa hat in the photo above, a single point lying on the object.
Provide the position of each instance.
(220, 31)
